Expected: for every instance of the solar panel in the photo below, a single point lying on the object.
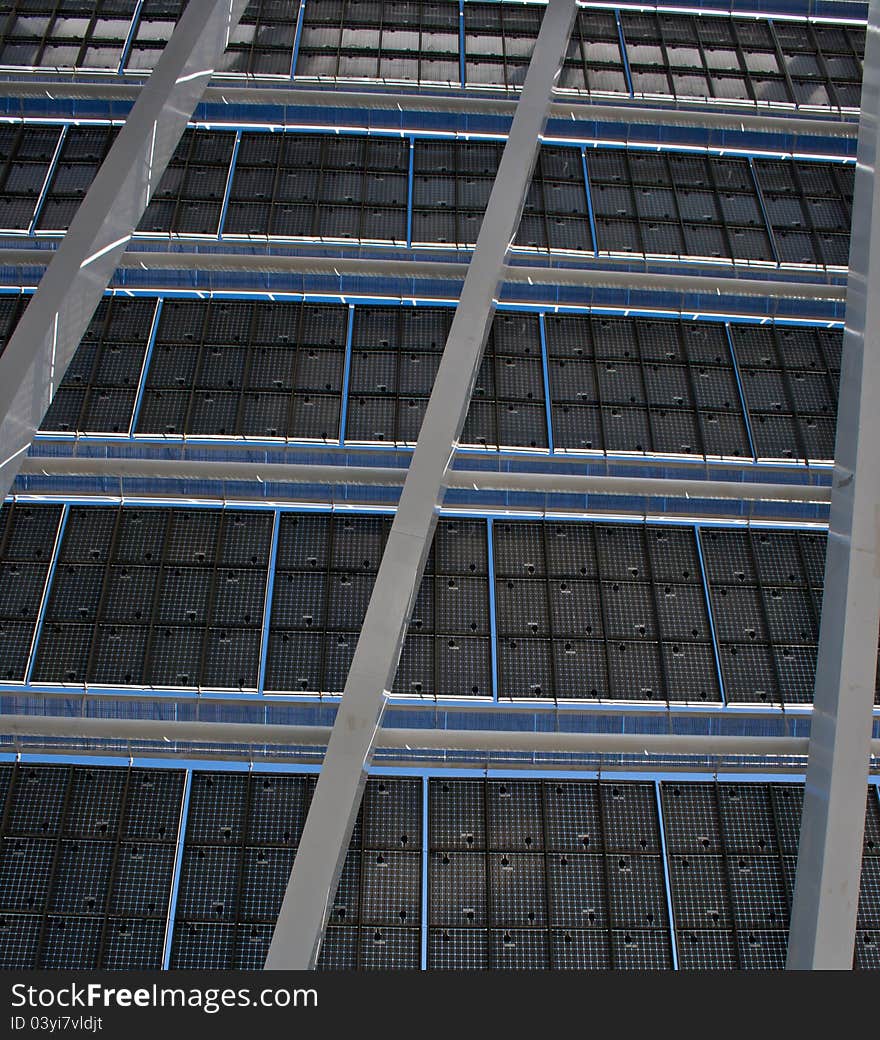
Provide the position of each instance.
(241, 838)
(76, 891)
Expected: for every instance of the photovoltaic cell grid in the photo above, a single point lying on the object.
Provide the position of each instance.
(395, 356)
(521, 873)
(189, 198)
(809, 208)
(453, 180)
(79, 160)
(241, 838)
(27, 539)
(25, 157)
(790, 379)
(149, 597)
(326, 567)
(766, 592)
(64, 34)
(732, 856)
(542, 874)
(275, 370)
(99, 388)
(86, 866)
(355, 187)
(391, 41)
(730, 60)
(602, 612)
(224, 368)
(743, 60)
(157, 598)
(262, 42)
(676, 205)
(634, 385)
(319, 186)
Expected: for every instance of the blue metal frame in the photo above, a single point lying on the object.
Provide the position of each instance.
(627, 72)
(493, 626)
(710, 613)
(129, 39)
(346, 375)
(294, 56)
(47, 589)
(771, 235)
(546, 368)
(589, 192)
(227, 191)
(665, 857)
(424, 915)
(178, 863)
(739, 386)
(50, 175)
(148, 357)
(409, 194)
(267, 606)
(462, 63)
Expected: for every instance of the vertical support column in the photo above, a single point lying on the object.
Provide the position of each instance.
(51, 328)
(826, 895)
(331, 818)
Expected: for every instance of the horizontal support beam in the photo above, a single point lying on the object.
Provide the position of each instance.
(472, 480)
(660, 744)
(768, 119)
(590, 276)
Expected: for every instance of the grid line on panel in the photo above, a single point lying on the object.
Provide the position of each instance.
(114, 867)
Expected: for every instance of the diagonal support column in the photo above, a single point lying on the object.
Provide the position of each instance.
(334, 808)
(829, 858)
(51, 328)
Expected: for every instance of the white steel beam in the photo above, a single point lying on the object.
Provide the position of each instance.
(588, 274)
(301, 921)
(829, 857)
(711, 116)
(37, 355)
(110, 466)
(414, 739)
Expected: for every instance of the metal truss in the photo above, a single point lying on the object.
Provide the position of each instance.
(303, 915)
(826, 893)
(43, 344)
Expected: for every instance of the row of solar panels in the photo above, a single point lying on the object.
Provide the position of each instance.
(182, 598)
(321, 186)
(641, 54)
(275, 371)
(528, 874)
